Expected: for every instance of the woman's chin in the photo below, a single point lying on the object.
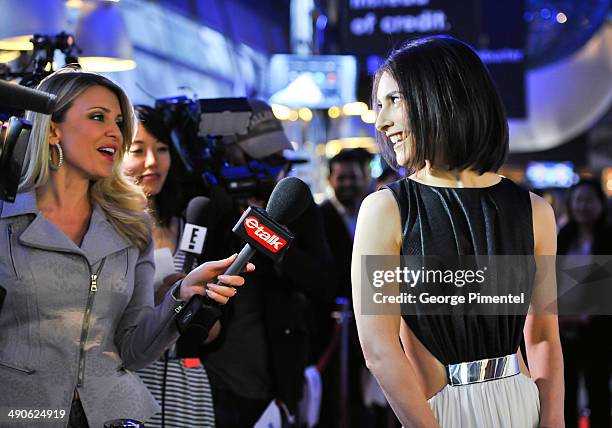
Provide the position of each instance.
(151, 190)
(400, 158)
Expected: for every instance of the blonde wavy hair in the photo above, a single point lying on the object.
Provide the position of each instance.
(123, 202)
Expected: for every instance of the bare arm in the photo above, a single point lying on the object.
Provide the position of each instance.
(379, 233)
(542, 329)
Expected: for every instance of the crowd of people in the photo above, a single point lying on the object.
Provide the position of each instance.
(96, 277)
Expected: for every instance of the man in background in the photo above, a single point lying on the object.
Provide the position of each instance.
(349, 179)
(349, 182)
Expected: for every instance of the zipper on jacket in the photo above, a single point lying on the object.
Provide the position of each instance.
(93, 287)
(10, 248)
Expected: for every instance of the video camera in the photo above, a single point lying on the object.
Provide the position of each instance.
(15, 131)
(229, 142)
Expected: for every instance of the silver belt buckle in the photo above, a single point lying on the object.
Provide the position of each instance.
(483, 370)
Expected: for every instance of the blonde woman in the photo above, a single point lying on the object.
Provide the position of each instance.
(77, 263)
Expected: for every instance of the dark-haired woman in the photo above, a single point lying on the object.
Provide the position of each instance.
(179, 385)
(440, 116)
(586, 233)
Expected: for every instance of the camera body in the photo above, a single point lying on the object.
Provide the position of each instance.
(207, 135)
(14, 136)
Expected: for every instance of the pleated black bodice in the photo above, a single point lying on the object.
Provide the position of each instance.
(443, 221)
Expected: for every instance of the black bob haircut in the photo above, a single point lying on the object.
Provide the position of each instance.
(169, 201)
(452, 108)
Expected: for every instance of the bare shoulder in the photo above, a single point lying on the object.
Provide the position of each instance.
(544, 225)
(379, 224)
(379, 202)
(541, 209)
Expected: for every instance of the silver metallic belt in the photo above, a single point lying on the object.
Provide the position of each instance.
(483, 370)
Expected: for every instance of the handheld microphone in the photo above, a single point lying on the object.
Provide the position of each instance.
(200, 216)
(264, 232)
(23, 98)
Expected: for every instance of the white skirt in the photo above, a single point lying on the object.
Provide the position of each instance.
(511, 402)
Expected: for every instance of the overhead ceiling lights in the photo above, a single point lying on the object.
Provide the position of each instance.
(8, 56)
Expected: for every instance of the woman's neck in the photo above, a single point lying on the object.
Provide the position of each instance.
(454, 178)
(63, 194)
(152, 207)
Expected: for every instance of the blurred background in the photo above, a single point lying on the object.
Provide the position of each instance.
(313, 61)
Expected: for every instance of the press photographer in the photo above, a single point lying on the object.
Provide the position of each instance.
(235, 147)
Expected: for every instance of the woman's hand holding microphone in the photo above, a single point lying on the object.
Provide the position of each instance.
(202, 280)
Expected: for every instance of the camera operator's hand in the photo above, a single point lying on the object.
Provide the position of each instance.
(201, 281)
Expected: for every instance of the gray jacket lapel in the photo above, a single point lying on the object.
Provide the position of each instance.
(100, 240)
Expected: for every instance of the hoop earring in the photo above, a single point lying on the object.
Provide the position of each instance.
(60, 154)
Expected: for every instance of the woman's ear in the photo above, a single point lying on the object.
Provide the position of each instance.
(54, 133)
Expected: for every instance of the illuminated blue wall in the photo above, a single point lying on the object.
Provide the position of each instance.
(177, 55)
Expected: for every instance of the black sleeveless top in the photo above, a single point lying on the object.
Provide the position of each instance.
(443, 221)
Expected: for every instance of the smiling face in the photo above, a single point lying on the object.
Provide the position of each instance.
(147, 162)
(349, 182)
(391, 119)
(90, 133)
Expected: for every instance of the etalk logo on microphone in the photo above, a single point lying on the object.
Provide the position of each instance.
(263, 235)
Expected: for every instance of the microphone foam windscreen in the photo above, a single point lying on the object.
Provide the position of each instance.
(201, 211)
(21, 97)
(289, 200)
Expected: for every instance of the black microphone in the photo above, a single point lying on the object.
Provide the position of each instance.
(23, 98)
(200, 216)
(289, 199)
(263, 231)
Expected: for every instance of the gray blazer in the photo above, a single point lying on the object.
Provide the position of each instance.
(63, 329)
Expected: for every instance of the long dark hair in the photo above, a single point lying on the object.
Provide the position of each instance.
(601, 232)
(452, 108)
(169, 202)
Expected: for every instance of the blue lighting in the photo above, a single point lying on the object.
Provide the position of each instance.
(321, 22)
(373, 63)
(545, 13)
(558, 28)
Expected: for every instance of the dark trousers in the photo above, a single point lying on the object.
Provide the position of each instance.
(589, 355)
(77, 417)
(357, 414)
(234, 411)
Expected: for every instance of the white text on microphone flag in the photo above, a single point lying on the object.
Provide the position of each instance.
(193, 238)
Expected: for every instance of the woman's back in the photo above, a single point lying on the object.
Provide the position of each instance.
(438, 114)
(451, 222)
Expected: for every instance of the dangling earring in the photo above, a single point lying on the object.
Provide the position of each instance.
(60, 155)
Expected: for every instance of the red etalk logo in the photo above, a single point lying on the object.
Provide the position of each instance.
(263, 235)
